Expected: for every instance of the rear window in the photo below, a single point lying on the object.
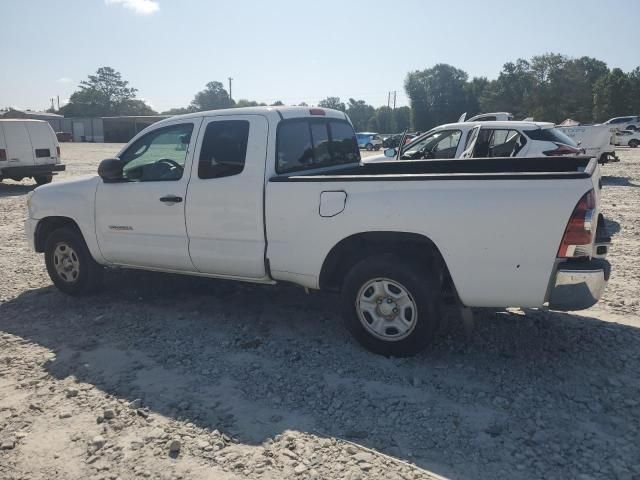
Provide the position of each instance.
(305, 144)
(550, 135)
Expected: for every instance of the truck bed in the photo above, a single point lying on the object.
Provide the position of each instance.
(478, 168)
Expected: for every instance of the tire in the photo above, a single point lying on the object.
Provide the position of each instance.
(43, 179)
(368, 147)
(381, 281)
(377, 147)
(634, 143)
(69, 263)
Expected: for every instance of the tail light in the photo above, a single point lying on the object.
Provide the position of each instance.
(562, 149)
(578, 235)
(317, 111)
(58, 150)
(3, 154)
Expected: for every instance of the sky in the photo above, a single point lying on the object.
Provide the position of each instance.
(292, 50)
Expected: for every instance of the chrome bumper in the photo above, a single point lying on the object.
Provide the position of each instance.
(579, 285)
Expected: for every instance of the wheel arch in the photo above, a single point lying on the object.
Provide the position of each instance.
(47, 225)
(351, 250)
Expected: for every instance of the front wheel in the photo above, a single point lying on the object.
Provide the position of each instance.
(43, 179)
(634, 143)
(69, 263)
(390, 306)
(368, 147)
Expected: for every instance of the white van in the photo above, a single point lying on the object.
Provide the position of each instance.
(28, 148)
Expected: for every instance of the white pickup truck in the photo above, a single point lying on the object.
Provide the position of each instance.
(279, 195)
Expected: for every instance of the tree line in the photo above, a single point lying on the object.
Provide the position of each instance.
(549, 87)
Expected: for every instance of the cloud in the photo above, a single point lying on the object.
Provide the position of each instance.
(141, 7)
(65, 80)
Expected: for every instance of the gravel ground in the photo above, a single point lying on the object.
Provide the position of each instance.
(172, 377)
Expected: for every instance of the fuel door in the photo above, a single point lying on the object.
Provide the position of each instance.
(332, 203)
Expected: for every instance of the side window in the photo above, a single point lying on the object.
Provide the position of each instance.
(159, 155)
(506, 143)
(305, 144)
(440, 144)
(447, 146)
(224, 149)
(343, 143)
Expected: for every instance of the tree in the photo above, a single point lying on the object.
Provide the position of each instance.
(437, 95)
(402, 119)
(332, 102)
(104, 94)
(243, 102)
(213, 97)
(383, 120)
(510, 91)
(277, 103)
(177, 111)
(611, 96)
(360, 113)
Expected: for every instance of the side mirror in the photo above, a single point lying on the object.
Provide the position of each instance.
(390, 152)
(110, 170)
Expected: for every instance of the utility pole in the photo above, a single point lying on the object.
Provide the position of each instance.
(230, 96)
(58, 101)
(389, 99)
(52, 107)
(394, 99)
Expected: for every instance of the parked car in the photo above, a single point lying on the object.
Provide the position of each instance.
(631, 122)
(279, 195)
(494, 139)
(630, 138)
(64, 136)
(28, 149)
(369, 141)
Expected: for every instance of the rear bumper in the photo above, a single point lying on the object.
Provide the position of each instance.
(579, 284)
(31, 170)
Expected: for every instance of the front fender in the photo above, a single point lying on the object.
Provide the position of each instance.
(73, 199)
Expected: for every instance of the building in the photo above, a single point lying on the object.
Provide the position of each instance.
(91, 129)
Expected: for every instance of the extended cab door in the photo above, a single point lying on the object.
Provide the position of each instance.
(140, 220)
(225, 216)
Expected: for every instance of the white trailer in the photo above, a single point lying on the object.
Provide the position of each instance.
(596, 140)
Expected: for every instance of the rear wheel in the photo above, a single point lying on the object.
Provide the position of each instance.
(69, 263)
(43, 179)
(369, 147)
(634, 143)
(390, 306)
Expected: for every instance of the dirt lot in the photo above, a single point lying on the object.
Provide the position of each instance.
(263, 382)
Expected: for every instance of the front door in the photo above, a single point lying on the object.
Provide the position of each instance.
(140, 221)
(225, 216)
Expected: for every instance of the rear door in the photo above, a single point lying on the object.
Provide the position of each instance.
(224, 207)
(19, 151)
(43, 142)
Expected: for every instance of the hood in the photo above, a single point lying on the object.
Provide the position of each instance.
(64, 198)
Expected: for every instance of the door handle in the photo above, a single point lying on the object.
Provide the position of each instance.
(171, 199)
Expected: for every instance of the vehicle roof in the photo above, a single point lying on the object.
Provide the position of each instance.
(32, 120)
(499, 124)
(282, 112)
